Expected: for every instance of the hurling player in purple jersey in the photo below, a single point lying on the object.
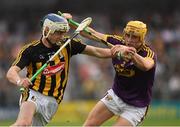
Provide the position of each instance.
(131, 93)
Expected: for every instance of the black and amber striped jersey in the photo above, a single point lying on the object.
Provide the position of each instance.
(53, 79)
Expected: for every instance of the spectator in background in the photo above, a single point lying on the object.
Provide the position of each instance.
(163, 66)
(174, 83)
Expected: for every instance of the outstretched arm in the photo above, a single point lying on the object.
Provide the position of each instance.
(88, 32)
(98, 52)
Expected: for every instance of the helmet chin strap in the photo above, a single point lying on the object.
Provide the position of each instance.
(47, 39)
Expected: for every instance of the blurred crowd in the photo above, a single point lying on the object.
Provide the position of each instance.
(90, 77)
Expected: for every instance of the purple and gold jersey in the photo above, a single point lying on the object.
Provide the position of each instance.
(131, 84)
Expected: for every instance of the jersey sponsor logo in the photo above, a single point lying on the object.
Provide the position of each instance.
(33, 98)
(41, 57)
(108, 97)
(50, 54)
(121, 70)
(51, 70)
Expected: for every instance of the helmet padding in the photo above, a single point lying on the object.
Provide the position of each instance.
(54, 23)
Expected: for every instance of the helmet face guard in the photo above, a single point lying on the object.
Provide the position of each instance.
(136, 28)
(55, 23)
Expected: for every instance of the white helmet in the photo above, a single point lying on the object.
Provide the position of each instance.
(55, 23)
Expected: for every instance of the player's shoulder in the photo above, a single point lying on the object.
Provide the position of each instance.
(29, 45)
(147, 47)
(72, 40)
(115, 39)
(118, 37)
(76, 40)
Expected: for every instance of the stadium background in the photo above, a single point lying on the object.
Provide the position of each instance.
(89, 77)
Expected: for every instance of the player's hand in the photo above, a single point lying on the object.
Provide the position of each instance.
(24, 82)
(123, 52)
(67, 15)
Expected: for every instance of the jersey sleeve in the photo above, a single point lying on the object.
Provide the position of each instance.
(149, 53)
(114, 39)
(23, 58)
(77, 47)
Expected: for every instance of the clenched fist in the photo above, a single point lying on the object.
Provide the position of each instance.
(123, 52)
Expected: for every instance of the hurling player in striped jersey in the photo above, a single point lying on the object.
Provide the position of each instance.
(42, 96)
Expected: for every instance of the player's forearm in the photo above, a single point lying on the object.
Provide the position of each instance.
(98, 52)
(90, 34)
(13, 76)
(87, 35)
(142, 63)
(98, 36)
(83, 33)
(105, 53)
